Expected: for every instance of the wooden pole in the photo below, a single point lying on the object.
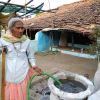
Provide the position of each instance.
(3, 75)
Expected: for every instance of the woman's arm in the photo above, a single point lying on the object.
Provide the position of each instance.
(30, 54)
(31, 58)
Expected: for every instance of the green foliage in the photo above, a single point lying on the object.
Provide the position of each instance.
(97, 30)
(95, 37)
(90, 50)
(1, 27)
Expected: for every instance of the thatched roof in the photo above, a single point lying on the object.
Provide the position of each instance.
(5, 18)
(76, 16)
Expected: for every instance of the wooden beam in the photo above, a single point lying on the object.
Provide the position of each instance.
(4, 5)
(24, 6)
(37, 8)
(11, 4)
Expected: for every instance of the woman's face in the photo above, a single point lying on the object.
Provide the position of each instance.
(18, 29)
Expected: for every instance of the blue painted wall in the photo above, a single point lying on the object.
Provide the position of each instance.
(44, 40)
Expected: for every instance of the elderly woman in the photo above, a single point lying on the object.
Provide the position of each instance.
(18, 56)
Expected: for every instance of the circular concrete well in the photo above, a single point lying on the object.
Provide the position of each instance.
(73, 87)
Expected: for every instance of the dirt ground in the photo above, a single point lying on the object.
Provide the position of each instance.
(49, 62)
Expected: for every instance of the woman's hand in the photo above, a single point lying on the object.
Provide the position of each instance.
(37, 69)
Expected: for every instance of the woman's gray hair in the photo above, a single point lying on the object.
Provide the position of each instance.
(13, 21)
